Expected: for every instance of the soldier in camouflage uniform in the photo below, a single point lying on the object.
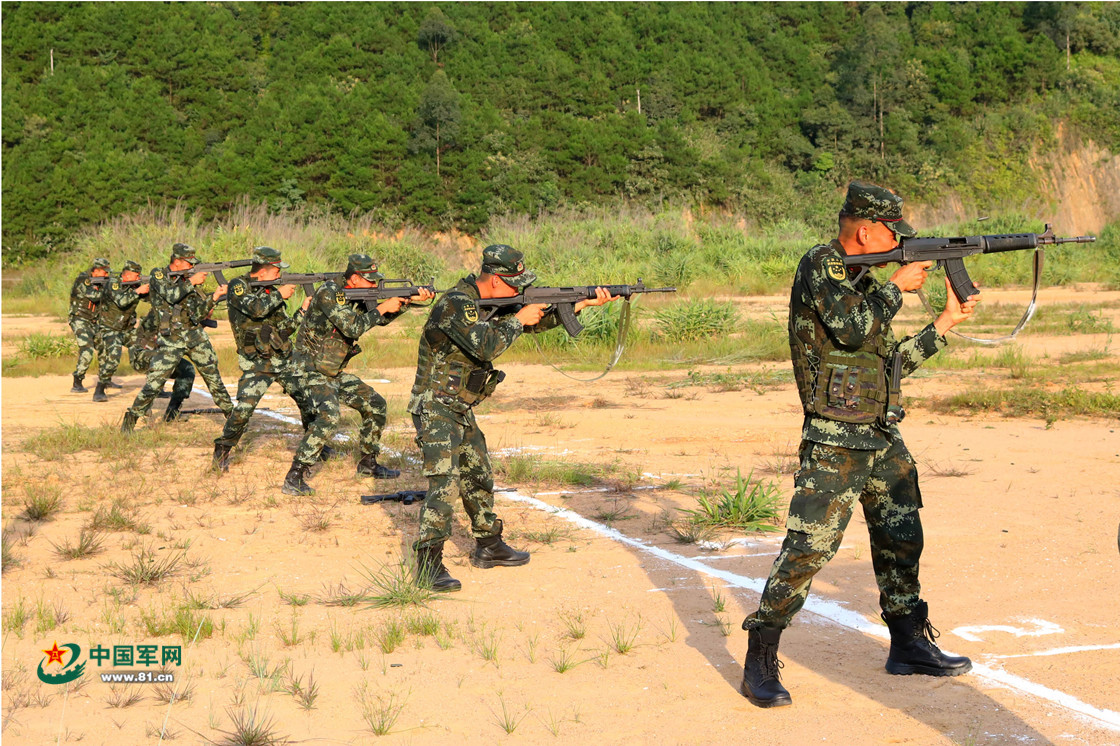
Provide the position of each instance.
(454, 372)
(847, 364)
(117, 324)
(85, 307)
(263, 330)
(327, 339)
(140, 354)
(182, 308)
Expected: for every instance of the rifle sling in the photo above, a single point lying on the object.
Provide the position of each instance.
(619, 346)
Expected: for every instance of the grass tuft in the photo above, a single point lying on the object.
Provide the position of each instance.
(89, 543)
(147, 567)
(751, 506)
(42, 501)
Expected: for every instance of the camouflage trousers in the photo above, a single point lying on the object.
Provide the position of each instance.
(251, 387)
(455, 453)
(85, 332)
(829, 483)
(325, 394)
(110, 342)
(166, 361)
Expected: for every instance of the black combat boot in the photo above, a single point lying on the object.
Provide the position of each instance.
(368, 467)
(327, 453)
(173, 407)
(762, 677)
(220, 462)
(99, 392)
(295, 483)
(431, 570)
(492, 552)
(111, 384)
(128, 424)
(78, 388)
(913, 649)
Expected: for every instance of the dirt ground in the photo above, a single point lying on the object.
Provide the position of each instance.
(1020, 570)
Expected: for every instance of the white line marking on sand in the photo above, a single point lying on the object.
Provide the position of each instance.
(1042, 627)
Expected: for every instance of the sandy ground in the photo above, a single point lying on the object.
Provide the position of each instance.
(1021, 572)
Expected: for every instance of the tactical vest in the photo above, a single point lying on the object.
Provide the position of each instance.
(113, 316)
(457, 376)
(85, 299)
(843, 385)
(327, 349)
(267, 337)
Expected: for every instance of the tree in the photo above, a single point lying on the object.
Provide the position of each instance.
(437, 118)
(435, 33)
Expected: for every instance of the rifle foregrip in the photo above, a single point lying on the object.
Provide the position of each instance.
(568, 318)
(959, 279)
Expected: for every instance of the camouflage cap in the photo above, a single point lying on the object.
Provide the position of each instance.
(508, 263)
(872, 202)
(363, 264)
(268, 255)
(131, 266)
(184, 252)
(100, 263)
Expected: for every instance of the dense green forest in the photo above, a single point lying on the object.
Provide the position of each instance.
(445, 116)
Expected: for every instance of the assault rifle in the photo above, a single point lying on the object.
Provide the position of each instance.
(564, 299)
(949, 253)
(407, 497)
(305, 280)
(100, 281)
(214, 268)
(386, 289)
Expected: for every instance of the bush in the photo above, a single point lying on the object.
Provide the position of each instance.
(39, 345)
(693, 320)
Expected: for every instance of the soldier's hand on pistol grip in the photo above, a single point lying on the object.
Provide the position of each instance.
(306, 304)
(143, 289)
(286, 291)
(911, 277)
(220, 292)
(390, 305)
(531, 314)
(955, 312)
(602, 297)
(197, 278)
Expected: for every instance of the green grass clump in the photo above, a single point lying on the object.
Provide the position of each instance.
(89, 543)
(42, 501)
(1031, 401)
(397, 584)
(147, 567)
(752, 505)
(118, 516)
(45, 345)
(523, 468)
(695, 320)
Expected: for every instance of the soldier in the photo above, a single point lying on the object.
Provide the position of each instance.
(182, 308)
(263, 331)
(844, 356)
(85, 306)
(117, 324)
(327, 339)
(454, 372)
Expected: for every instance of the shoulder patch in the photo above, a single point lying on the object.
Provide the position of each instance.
(158, 274)
(116, 286)
(835, 268)
(239, 289)
(340, 298)
(470, 313)
(89, 281)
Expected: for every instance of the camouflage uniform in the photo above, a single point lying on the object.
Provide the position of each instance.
(326, 341)
(181, 309)
(454, 372)
(117, 323)
(262, 330)
(844, 353)
(143, 348)
(85, 307)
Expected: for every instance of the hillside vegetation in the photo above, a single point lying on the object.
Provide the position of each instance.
(446, 116)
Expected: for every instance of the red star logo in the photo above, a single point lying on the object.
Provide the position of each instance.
(55, 654)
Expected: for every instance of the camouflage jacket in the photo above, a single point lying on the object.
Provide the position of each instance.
(118, 306)
(180, 307)
(85, 298)
(261, 325)
(842, 349)
(455, 344)
(328, 336)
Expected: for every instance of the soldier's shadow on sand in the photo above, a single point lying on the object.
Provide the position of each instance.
(844, 656)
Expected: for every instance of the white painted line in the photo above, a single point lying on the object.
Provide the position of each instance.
(830, 610)
(1042, 627)
(1057, 651)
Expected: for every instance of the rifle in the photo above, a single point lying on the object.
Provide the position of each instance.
(386, 289)
(565, 300)
(406, 497)
(102, 281)
(949, 253)
(214, 268)
(305, 280)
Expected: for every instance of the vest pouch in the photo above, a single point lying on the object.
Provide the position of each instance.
(851, 387)
(492, 381)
